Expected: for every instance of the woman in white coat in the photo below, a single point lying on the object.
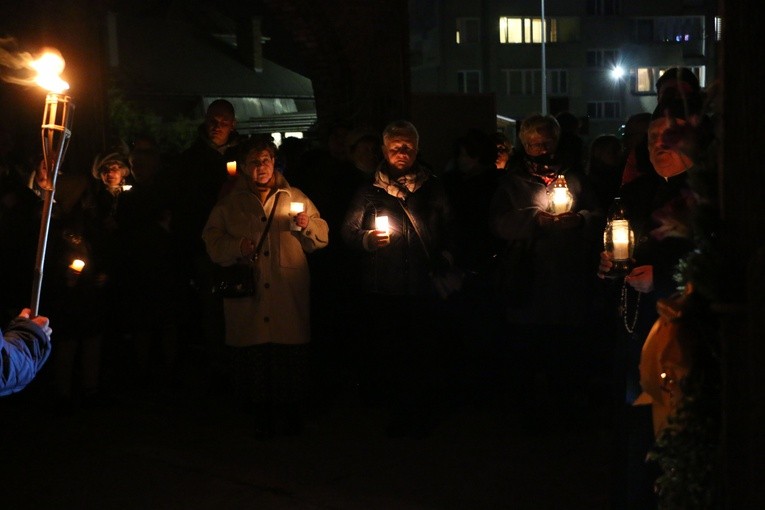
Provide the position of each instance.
(268, 332)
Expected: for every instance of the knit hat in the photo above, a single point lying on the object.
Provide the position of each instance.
(118, 154)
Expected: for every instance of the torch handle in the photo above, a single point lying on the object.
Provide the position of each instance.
(56, 131)
(42, 244)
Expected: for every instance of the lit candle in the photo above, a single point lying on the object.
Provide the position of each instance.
(561, 197)
(621, 238)
(381, 223)
(231, 168)
(77, 265)
(560, 200)
(295, 209)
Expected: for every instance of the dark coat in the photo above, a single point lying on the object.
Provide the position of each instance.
(402, 267)
(548, 274)
(653, 204)
(199, 175)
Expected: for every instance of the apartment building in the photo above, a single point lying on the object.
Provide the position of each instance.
(560, 55)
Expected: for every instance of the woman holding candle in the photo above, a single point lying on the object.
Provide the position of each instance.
(267, 334)
(90, 256)
(551, 223)
(399, 227)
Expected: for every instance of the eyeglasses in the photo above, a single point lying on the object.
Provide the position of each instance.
(255, 163)
(111, 166)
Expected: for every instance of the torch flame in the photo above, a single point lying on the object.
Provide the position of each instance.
(19, 67)
(49, 67)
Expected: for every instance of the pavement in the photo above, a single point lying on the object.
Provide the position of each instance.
(185, 446)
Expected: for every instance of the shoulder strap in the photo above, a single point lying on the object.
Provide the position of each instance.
(416, 227)
(268, 226)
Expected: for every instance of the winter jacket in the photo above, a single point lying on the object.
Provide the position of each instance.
(403, 267)
(659, 211)
(23, 351)
(199, 175)
(547, 272)
(279, 311)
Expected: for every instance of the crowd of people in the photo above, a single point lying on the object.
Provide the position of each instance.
(410, 282)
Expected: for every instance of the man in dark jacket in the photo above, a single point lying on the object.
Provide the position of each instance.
(200, 177)
(660, 205)
(396, 262)
(23, 350)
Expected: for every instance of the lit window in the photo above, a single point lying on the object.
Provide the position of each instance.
(644, 81)
(526, 30)
(645, 78)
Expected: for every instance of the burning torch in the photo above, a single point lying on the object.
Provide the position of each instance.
(56, 130)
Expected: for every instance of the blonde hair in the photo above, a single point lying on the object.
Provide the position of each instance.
(538, 123)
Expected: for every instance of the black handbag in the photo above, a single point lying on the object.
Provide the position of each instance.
(234, 281)
(241, 279)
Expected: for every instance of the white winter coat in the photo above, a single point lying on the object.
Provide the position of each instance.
(279, 311)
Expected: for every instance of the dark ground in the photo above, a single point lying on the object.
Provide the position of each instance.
(186, 446)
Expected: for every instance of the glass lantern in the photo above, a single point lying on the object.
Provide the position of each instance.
(561, 199)
(619, 239)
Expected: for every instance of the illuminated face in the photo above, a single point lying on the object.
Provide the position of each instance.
(400, 153)
(503, 154)
(539, 142)
(666, 160)
(259, 166)
(112, 173)
(218, 126)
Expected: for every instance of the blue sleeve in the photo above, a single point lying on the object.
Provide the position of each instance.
(23, 351)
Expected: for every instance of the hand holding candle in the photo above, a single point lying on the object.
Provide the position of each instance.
(298, 217)
(381, 223)
(231, 168)
(380, 236)
(561, 199)
(618, 240)
(621, 239)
